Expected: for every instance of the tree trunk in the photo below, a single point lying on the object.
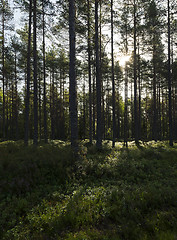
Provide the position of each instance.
(28, 78)
(113, 83)
(3, 72)
(135, 78)
(169, 81)
(72, 79)
(125, 110)
(52, 106)
(16, 100)
(44, 75)
(40, 110)
(89, 73)
(103, 120)
(98, 81)
(154, 128)
(139, 88)
(35, 134)
(94, 95)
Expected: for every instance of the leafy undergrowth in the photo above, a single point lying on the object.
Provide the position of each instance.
(116, 194)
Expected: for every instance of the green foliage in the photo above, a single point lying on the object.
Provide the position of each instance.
(23, 168)
(114, 194)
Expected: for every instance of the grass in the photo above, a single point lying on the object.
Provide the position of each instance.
(115, 194)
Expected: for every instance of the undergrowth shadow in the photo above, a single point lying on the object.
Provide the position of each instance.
(121, 193)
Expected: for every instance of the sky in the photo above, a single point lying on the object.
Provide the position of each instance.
(18, 23)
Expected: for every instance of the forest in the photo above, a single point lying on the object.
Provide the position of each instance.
(88, 119)
(62, 78)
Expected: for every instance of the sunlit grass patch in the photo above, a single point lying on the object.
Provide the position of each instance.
(83, 208)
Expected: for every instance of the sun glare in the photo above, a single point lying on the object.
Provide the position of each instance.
(123, 60)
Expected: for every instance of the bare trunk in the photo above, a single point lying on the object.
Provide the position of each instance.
(35, 134)
(135, 78)
(113, 83)
(89, 73)
(169, 81)
(44, 76)
(98, 81)
(3, 74)
(72, 78)
(28, 78)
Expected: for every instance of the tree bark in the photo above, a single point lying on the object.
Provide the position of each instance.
(89, 73)
(169, 81)
(72, 78)
(16, 100)
(35, 134)
(98, 81)
(3, 73)
(28, 78)
(44, 75)
(113, 82)
(135, 77)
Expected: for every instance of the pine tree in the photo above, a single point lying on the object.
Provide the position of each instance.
(27, 99)
(169, 77)
(35, 136)
(72, 78)
(89, 71)
(98, 81)
(113, 83)
(6, 15)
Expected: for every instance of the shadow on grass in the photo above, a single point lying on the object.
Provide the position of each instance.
(30, 174)
(48, 195)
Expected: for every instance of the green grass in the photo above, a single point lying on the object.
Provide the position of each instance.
(115, 194)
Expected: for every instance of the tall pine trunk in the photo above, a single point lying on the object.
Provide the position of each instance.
(125, 110)
(3, 71)
(113, 83)
(28, 78)
(40, 109)
(89, 72)
(44, 75)
(16, 100)
(139, 88)
(169, 81)
(93, 100)
(35, 134)
(154, 127)
(72, 78)
(103, 118)
(135, 77)
(98, 81)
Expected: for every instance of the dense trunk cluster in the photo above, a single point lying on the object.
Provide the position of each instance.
(89, 69)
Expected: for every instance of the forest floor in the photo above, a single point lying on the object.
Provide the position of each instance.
(116, 194)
